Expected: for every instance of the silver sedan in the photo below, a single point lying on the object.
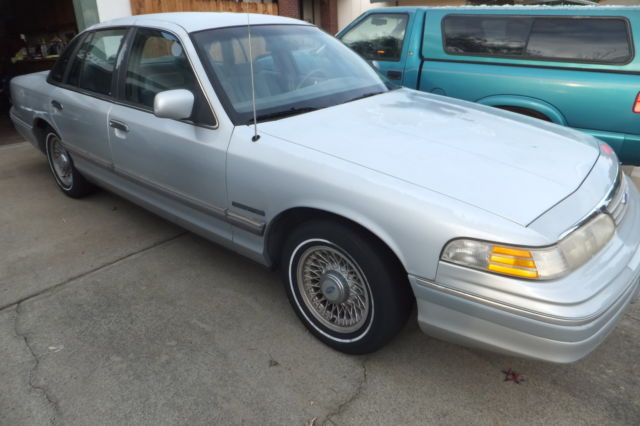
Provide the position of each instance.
(270, 137)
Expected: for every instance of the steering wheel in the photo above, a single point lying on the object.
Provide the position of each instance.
(318, 72)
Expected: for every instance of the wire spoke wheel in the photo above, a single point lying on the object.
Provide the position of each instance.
(60, 162)
(344, 285)
(67, 177)
(333, 288)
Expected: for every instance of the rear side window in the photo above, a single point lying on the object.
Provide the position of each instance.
(93, 65)
(57, 72)
(378, 37)
(499, 36)
(593, 40)
(583, 39)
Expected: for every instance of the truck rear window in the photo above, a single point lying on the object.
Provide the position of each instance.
(574, 39)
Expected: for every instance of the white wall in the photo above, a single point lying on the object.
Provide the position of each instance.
(348, 10)
(112, 9)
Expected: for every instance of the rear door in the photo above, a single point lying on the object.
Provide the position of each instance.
(180, 161)
(81, 103)
(382, 39)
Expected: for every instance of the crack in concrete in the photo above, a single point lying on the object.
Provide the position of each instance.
(96, 269)
(345, 404)
(51, 401)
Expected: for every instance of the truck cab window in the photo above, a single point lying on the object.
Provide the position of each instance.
(378, 37)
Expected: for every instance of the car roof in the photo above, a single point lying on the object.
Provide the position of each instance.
(198, 21)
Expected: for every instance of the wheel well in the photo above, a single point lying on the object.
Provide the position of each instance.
(286, 221)
(40, 129)
(525, 111)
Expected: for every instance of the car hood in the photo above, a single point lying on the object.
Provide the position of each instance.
(513, 167)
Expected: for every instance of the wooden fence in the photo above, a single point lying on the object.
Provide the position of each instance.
(157, 6)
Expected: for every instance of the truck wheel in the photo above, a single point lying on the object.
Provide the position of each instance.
(67, 177)
(344, 287)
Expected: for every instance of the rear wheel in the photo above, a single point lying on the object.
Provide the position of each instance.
(67, 177)
(344, 287)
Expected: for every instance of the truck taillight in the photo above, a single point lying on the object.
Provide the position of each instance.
(636, 106)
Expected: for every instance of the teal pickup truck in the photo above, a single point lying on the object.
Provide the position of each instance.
(574, 66)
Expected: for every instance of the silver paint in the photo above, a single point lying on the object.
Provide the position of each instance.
(175, 104)
(414, 169)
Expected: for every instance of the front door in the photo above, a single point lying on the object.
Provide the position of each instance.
(183, 162)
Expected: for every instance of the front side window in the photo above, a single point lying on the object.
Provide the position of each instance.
(158, 63)
(579, 39)
(378, 37)
(296, 68)
(93, 65)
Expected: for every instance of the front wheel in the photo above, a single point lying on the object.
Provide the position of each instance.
(344, 287)
(67, 177)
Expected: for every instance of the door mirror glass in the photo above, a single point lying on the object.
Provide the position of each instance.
(176, 104)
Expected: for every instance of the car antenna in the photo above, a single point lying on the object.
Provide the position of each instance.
(256, 136)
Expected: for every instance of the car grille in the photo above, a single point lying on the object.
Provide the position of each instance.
(617, 206)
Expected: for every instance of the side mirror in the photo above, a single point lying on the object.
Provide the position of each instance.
(176, 104)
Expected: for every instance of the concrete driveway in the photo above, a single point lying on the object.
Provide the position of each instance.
(110, 315)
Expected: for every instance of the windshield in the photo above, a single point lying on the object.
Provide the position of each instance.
(296, 68)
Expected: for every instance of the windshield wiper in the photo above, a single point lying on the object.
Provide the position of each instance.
(366, 95)
(282, 114)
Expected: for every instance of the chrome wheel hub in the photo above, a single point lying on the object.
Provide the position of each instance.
(61, 162)
(333, 288)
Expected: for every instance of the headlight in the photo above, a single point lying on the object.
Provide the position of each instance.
(540, 263)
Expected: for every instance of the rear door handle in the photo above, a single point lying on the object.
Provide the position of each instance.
(118, 125)
(57, 105)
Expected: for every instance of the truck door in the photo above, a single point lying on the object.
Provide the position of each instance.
(380, 38)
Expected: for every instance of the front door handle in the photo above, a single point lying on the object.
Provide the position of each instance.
(57, 105)
(118, 125)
